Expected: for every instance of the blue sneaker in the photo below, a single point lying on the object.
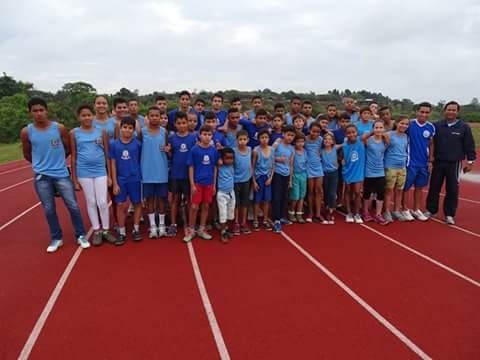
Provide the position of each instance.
(277, 227)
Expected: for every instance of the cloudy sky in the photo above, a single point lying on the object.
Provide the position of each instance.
(418, 49)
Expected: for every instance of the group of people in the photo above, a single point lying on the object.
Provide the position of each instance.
(242, 171)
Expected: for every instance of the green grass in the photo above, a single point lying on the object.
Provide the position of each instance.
(476, 133)
(9, 152)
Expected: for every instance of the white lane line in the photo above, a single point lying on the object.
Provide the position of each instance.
(460, 198)
(456, 227)
(37, 329)
(217, 333)
(11, 162)
(19, 216)
(402, 337)
(16, 169)
(15, 185)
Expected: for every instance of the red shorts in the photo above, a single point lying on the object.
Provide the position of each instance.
(204, 194)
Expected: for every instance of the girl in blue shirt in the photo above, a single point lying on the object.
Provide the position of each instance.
(313, 145)
(298, 189)
(243, 173)
(330, 177)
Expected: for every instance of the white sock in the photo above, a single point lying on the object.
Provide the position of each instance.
(151, 218)
(162, 219)
(136, 227)
(122, 230)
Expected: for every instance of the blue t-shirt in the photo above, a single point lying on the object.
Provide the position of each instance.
(419, 136)
(364, 127)
(339, 135)
(374, 158)
(330, 160)
(283, 168)
(154, 160)
(289, 118)
(218, 138)
(108, 126)
(354, 117)
(332, 124)
(243, 165)
(274, 136)
(231, 137)
(396, 152)
(90, 153)
(252, 130)
(353, 169)
(181, 146)
(48, 153)
(203, 161)
(225, 178)
(314, 160)
(221, 116)
(264, 164)
(299, 162)
(141, 121)
(127, 159)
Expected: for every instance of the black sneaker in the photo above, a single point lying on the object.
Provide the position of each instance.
(109, 237)
(225, 238)
(136, 236)
(120, 240)
(97, 238)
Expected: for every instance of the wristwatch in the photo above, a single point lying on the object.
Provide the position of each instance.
(471, 162)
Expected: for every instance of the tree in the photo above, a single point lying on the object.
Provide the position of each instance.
(9, 86)
(13, 116)
(475, 103)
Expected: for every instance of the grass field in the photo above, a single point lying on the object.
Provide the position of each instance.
(9, 152)
(476, 133)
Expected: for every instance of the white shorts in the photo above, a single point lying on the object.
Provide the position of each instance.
(226, 206)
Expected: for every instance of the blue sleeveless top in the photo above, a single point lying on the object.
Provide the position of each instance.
(154, 162)
(396, 152)
(330, 160)
(90, 153)
(300, 162)
(314, 161)
(374, 161)
(264, 165)
(354, 156)
(242, 165)
(48, 154)
(108, 126)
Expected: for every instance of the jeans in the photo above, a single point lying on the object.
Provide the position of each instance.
(45, 187)
(330, 183)
(279, 195)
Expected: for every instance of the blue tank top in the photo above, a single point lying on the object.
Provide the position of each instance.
(264, 164)
(108, 126)
(90, 153)
(283, 168)
(243, 165)
(374, 158)
(154, 163)
(225, 178)
(48, 154)
(396, 152)
(330, 160)
(354, 156)
(314, 160)
(300, 162)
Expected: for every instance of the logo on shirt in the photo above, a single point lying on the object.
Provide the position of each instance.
(354, 156)
(98, 141)
(183, 147)
(125, 155)
(55, 143)
(426, 134)
(206, 160)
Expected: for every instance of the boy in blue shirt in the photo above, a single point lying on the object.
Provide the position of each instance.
(125, 154)
(218, 139)
(243, 174)
(217, 102)
(364, 125)
(226, 192)
(183, 105)
(202, 173)
(252, 128)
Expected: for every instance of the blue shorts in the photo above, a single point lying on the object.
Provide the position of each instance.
(133, 190)
(417, 177)
(155, 190)
(265, 192)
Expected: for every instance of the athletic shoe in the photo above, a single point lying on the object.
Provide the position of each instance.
(136, 236)
(397, 215)
(367, 217)
(189, 235)
(379, 219)
(245, 229)
(236, 229)
(300, 218)
(308, 219)
(204, 235)
(54, 245)
(255, 226)
(388, 217)
(277, 227)
(349, 218)
(121, 240)
(108, 236)
(83, 242)
(224, 237)
(407, 215)
(162, 231)
(267, 225)
(291, 217)
(428, 214)
(172, 230)
(153, 232)
(331, 219)
(450, 220)
(97, 238)
(417, 214)
(358, 219)
(285, 221)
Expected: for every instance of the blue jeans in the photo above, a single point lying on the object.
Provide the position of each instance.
(45, 187)
(330, 184)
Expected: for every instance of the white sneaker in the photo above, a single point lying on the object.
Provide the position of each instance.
(358, 219)
(449, 220)
(398, 215)
(428, 214)
(162, 231)
(407, 215)
(152, 233)
(54, 245)
(419, 215)
(349, 218)
(83, 242)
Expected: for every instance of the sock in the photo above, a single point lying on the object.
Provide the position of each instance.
(136, 227)
(122, 230)
(151, 218)
(162, 219)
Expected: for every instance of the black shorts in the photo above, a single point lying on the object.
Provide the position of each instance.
(242, 192)
(180, 186)
(374, 185)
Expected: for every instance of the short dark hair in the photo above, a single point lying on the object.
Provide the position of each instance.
(226, 151)
(180, 115)
(262, 132)
(365, 108)
(289, 128)
(36, 101)
(153, 108)
(452, 102)
(277, 116)
(298, 136)
(200, 100)
(205, 128)
(132, 100)
(254, 97)
(296, 97)
(128, 120)
(119, 100)
(424, 104)
(345, 115)
(210, 115)
(385, 107)
(242, 133)
(315, 124)
(261, 112)
(307, 102)
(331, 105)
(235, 99)
(217, 95)
(278, 106)
(183, 92)
(160, 98)
(351, 126)
(100, 96)
(321, 117)
(232, 110)
(83, 107)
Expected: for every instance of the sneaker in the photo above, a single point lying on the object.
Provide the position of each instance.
(162, 231)
(224, 237)
(97, 238)
(417, 214)
(349, 218)
(388, 217)
(217, 225)
(358, 219)
(331, 219)
(450, 220)
(397, 215)
(367, 217)
(153, 232)
(136, 236)
(407, 215)
(255, 226)
(121, 240)
(291, 217)
(285, 221)
(209, 227)
(54, 245)
(236, 229)
(204, 235)
(189, 235)
(172, 230)
(300, 218)
(309, 219)
(116, 228)
(83, 242)
(245, 229)
(267, 225)
(320, 220)
(428, 214)
(277, 227)
(379, 219)
(108, 236)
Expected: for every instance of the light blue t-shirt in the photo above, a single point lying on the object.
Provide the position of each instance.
(396, 152)
(330, 160)
(354, 156)
(264, 165)
(374, 158)
(154, 162)
(283, 168)
(299, 162)
(243, 165)
(225, 178)
(90, 152)
(314, 161)
(364, 127)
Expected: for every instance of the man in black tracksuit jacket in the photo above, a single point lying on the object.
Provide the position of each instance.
(453, 141)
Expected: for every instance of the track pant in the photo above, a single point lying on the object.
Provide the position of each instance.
(279, 195)
(450, 172)
(95, 191)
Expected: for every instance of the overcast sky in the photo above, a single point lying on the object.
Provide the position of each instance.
(418, 49)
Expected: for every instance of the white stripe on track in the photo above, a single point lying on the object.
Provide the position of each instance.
(217, 333)
(15, 185)
(388, 325)
(19, 216)
(16, 169)
(459, 198)
(456, 227)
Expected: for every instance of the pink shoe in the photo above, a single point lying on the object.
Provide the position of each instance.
(367, 217)
(380, 220)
